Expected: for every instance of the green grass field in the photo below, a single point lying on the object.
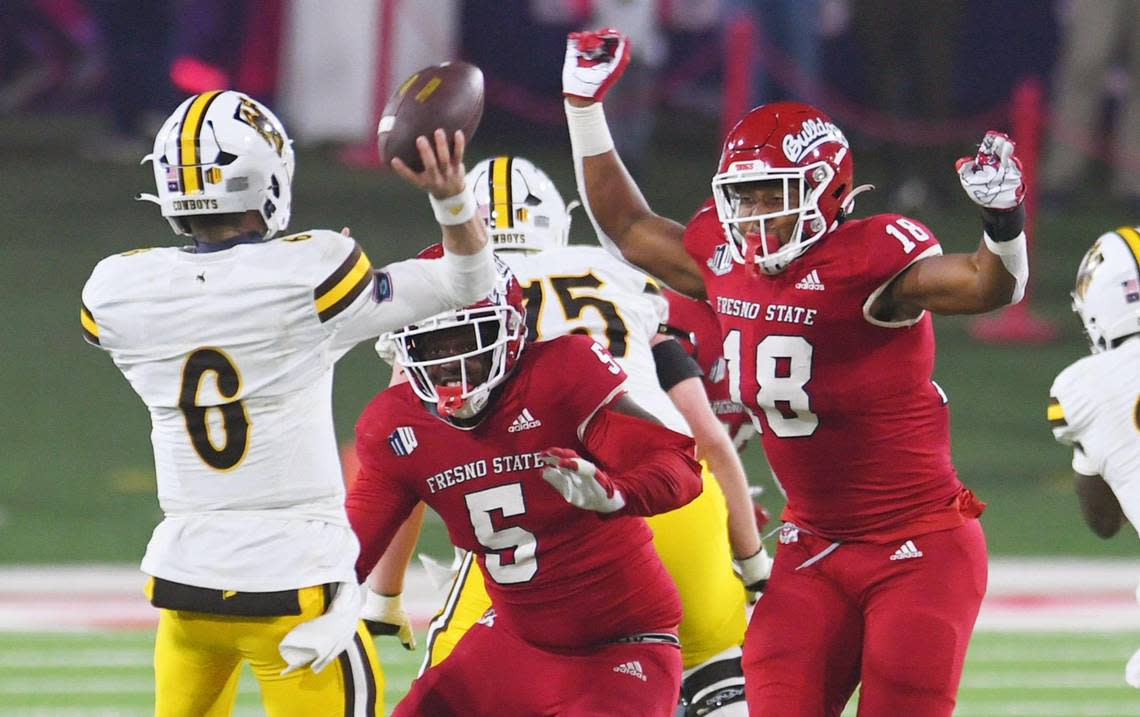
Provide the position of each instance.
(105, 674)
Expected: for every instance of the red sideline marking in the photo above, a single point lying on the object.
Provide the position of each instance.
(1032, 600)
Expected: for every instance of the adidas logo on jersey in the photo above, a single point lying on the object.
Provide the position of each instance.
(907, 551)
(810, 282)
(524, 422)
(403, 441)
(632, 668)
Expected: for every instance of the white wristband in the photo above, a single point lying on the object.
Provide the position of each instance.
(1014, 257)
(458, 209)
(589, 133)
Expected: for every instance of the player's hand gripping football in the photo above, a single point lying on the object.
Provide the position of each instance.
(594, 62)
(316, 643)
(992, 178)
(443, 170)
(579, 481)
(384, 615)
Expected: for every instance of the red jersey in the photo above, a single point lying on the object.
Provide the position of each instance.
(853, 427)
(703, 340)
(558, 576)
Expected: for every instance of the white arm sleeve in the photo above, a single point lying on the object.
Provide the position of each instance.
(589, 135)
(1015, 258)
(410, 290)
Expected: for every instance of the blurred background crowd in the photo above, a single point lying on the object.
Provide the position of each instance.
(912, 79)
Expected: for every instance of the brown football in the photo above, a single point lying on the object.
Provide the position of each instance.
(448, 95)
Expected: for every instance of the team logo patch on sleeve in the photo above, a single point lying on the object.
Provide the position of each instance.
(382, 288)
(403, 441)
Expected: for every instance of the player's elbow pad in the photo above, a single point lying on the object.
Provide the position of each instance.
(470, 277)
(1014, 257)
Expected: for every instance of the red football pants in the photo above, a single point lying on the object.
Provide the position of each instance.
(896, 617)
(492, 672)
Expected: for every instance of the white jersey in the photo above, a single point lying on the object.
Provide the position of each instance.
(232, 352)
(583, 289)
(1094, 407)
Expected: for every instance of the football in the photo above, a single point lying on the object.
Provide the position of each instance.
(448, 95)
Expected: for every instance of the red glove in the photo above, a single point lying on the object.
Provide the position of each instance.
(594, 62)
(579, 481)
(992, 177)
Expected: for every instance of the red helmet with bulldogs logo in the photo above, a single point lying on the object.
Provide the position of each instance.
(796, 144)
(458, 377)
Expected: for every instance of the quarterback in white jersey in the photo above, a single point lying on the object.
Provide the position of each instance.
(1094, 404)
(583, 289)
(230, 342)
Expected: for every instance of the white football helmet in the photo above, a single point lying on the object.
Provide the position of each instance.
(446, 355)
(521, 206)
(222, 152)
(1107, 291)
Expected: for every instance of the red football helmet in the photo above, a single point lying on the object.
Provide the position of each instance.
(796, 144)
(455, 369)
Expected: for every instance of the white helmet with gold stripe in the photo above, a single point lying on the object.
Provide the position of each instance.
(520, 204)
(1107, 291)
(222, 152)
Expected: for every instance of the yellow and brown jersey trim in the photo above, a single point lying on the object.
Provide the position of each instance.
(1131, 237)
(1055, 413)
(350, 279)
(90, 328)
(500, 192)
(190, 145)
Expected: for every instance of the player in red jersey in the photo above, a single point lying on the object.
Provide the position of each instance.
(829, 343)
(540, 464)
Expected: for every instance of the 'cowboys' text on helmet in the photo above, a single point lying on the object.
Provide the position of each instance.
(222, 152)
(521, 206)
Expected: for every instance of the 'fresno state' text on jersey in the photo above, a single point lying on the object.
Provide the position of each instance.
(852, 424)
(558, 576)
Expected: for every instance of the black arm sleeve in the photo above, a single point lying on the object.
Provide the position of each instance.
(673, 364)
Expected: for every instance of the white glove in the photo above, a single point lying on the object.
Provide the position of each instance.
(384, 615)
(580, 482)
(755, 570)
(992, 178)
(317, 642)
(594, 62)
